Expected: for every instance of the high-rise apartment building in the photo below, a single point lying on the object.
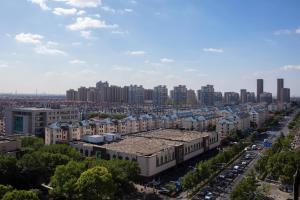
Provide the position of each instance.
(160, 95)
(285, 95)
(260, 88)
(180, 95)
(136, 94)
(280, 86)
(148, 95)
(82, 94)
(102, 91)
(251, 97)
(72, 95)
(231, 98)
(206, 95)
(91, 94)
(266, 97)
(243, 96)
(125, 94)
(218, 98)
(191, 97)
(114, 94)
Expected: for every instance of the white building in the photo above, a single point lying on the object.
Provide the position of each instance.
(158, 150)
(258, 116)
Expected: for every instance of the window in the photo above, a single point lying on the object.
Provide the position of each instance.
(157, 161)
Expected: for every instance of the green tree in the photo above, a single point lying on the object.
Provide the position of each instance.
(4, 189)
(95, 184)
(38, 167)
(64, 180)
(246, 189)
(32, 143)
(204, 170)
(20, 195)
(8, 170)
(32, 170)
(124, 172)
(190, 180)
(64, 150)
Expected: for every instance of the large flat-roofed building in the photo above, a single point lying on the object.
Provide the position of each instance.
(32, 121)
(158, 150)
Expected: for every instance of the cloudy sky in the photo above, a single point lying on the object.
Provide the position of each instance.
(54, 45)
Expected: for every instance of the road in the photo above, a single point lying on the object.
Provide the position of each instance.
(272, 136)
(221, 187)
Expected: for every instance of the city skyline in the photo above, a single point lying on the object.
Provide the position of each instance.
(68, 44)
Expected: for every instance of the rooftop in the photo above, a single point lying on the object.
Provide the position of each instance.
(148, 143)
(141, 146)
(173, 135)
(31, 109)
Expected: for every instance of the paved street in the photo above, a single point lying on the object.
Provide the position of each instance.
(222, 186)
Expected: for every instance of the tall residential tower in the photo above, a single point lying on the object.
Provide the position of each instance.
(260, 88)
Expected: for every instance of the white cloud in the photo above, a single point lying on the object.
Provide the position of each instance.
(150, 72)
(108, 9)
(155, 64)
(128, 10)
(82, 3)
(41, 3)
(81, 12)
(76, 61)
(298, 30)
(201, 75)
(3, 65)
(121, 68)
(166, 60)
(136, 53)
(120, 32)
(83, 23)
(85, 34)
(29, 38)
(290, 68)
(190, 70)
(213, 50)
(64, 11)
(76, 43)
(114, 11)
(51, 43)
(46, 50)
(282, 32)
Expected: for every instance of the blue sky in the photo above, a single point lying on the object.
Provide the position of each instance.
(54, 45)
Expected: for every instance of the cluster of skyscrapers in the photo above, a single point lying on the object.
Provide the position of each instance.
(283, 94)
(180, 95)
